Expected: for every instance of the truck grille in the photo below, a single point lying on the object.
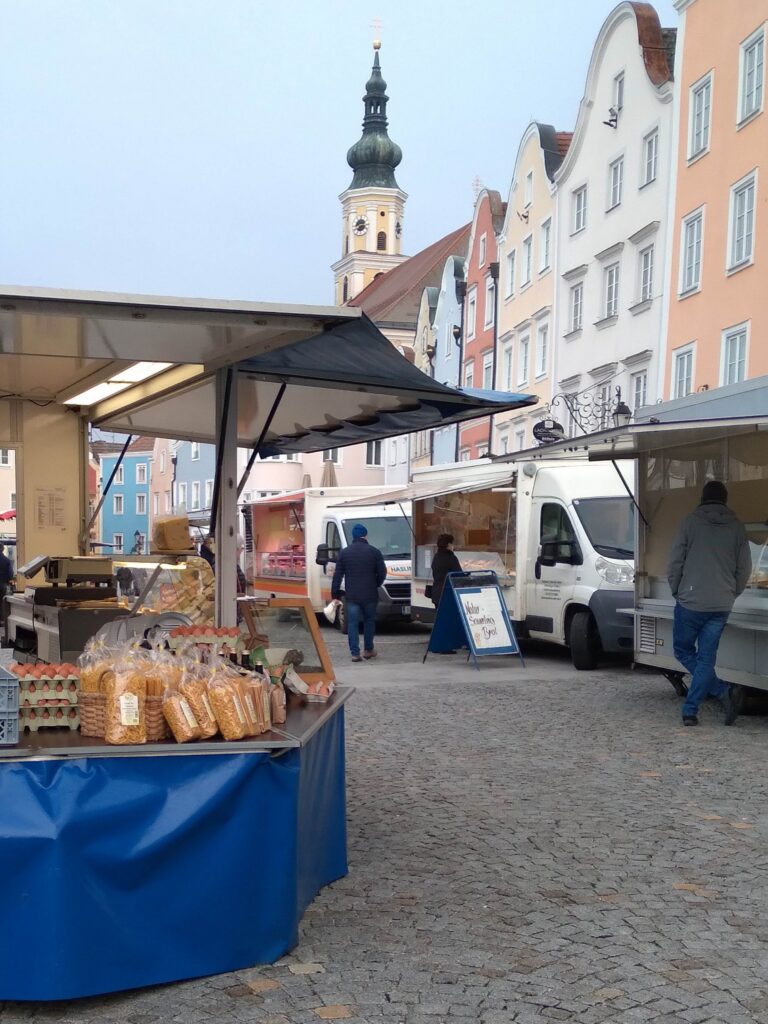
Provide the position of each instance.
(646, 634)
(398, 591)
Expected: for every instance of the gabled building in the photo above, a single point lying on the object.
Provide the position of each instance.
(612, 199)
(125, 512)
(480, 325)
(527, 274)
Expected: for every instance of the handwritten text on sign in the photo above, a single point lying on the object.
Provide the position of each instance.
(485, 617)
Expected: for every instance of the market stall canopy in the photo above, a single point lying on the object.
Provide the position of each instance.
(345, 385)
(8, 514)
(497, 476)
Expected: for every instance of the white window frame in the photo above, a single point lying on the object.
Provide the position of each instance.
(482, 250)
(526, 265)
(194, 451)
(450, 341)
(471, 314)
(523, 358)
(5, 456)
(729, 335)
(332, 455)
(208, 494)
(577, 291)
(464, 455)
(118, 505)
(168, 501)
(162, 461)
(611, 282)
(545, 245)
(579, 215)
(618, 93)
(747, 258)
(615, 183)
(511, 265)
(370, 454)
(646, 260)
(141, 504)
(677, 354)
(181, 494)
(639, 389)
(488, 371)
(155, 503)
(490, 301)
(118, 543)
(689, 219)
(528, 194)
(141, 472)
(520, 440)
(119, 474)
(469, 374)
(703, 87)
(743, 116)
(542, 350)
(507, 358)
(650, 168)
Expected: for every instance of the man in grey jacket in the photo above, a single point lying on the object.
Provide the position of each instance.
(709, 566)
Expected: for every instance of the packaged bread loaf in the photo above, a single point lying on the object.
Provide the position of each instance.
(96, 663)
(125, 709)
(194, 691)
(181, 718)
(227, 707)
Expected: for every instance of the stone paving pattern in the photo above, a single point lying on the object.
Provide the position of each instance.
(526, 845)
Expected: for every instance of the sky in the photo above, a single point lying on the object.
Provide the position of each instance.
(198, 147)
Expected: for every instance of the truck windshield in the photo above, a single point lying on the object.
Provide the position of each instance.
(610, 525)
(390, 534)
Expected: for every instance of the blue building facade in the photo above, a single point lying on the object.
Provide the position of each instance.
(447, 357)
(193, 479)
(125, 513)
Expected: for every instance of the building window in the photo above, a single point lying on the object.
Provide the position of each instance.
(650, 157)
(208, 494)
(618, 92)
(611, 278)
(155, 503)
(162, 461)
(488, 371)
(742, 223)
(682, 373)
(511, 258)
(119, 475)
(481, 251)
(117, 504)
(464, 455)
(700, 104)
(733, 368)
(168, 503)
(331, 455)
(577, 306)
(373, 453)
(604, 406)
(639, 383)
(141, 504)
(381, 241)
(504, 445)
(117, 543)
(646, 274)
(690, 257)
(520, 440)
(469, 375)
(141, 472)
(345, 290)
(522, 359)
(528, 189)
(5, 457)
(194, 451)
(526, 270)
(542, 349)
(181, 494)
(490, 301)
(13, 499)
(507, 368)
(546, 244)
(472, 315)
(195, 500)
(751, 75)
(580, 209)
(615, 183)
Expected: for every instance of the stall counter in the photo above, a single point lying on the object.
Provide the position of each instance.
(136, 866)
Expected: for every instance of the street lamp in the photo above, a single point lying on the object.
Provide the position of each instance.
(622, 414)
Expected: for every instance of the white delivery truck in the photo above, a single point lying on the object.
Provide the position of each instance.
(558, 533)
(293, 541)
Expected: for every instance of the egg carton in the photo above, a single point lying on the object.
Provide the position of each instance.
(34, 718)
(46, 690)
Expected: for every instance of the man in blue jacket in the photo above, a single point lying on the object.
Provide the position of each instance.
(363, 571)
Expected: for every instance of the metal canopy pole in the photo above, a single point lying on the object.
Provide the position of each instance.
(224, 505)
(104, 493)
(260, 441)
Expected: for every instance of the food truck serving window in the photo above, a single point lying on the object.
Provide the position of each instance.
(610, 525)
(390, 534)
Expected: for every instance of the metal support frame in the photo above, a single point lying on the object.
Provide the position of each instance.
(104, 493)
(260, 441)
(224, 503)
(628, 489)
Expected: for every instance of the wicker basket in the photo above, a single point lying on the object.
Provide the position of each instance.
(93, 717)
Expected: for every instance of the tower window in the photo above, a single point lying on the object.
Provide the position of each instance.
(345, 290)
(346, 245)
(381, 241)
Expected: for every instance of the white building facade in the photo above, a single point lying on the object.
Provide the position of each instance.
(612, 197)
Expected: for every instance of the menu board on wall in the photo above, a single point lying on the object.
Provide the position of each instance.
(50, 508)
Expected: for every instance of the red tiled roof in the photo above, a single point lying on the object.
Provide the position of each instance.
(390, 293)
(142, 444)
(563, 140)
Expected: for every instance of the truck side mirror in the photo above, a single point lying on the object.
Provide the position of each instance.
(548, 552)
(322, 557)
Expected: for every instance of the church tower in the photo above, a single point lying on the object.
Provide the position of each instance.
(372, 206)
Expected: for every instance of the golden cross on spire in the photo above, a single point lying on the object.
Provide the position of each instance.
(376, 26)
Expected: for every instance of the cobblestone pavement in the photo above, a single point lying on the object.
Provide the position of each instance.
(528, 845)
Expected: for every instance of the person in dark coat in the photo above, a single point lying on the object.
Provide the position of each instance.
(361, 567)
(444, 561)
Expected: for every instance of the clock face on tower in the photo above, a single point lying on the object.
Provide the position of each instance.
(361, 225)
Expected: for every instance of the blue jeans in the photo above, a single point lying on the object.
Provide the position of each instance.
(356, 612)
(696, 636)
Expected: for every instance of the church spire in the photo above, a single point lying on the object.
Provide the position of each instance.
(374, 157)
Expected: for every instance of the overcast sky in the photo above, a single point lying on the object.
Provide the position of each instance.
(198, 147)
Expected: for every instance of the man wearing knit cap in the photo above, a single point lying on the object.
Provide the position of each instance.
(362, 570)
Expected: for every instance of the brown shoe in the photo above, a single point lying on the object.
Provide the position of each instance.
(370, 654)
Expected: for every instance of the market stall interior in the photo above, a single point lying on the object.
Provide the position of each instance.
(112, 823)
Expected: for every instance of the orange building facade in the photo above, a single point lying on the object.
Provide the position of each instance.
(718, 316)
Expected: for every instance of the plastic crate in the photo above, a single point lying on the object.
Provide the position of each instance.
(9, 729)
(9, 693)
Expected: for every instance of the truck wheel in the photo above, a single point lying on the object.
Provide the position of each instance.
(584, 641)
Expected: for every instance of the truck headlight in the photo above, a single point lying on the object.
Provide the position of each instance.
(613, 572)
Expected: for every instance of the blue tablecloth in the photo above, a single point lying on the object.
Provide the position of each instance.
(120, 872)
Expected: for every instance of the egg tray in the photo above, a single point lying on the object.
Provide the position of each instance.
(45, 690)
(32, 719)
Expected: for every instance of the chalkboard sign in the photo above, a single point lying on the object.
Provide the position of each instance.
(472, 613)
